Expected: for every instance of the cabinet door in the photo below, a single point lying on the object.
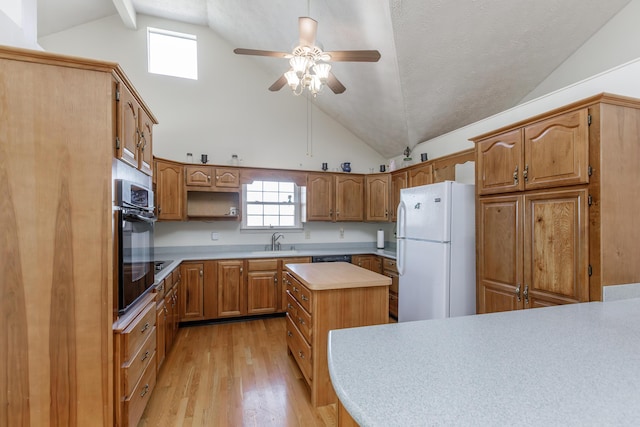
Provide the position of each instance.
(421, 175)
(499, 252)
(145, 143)
(262, 292)
(349, 198)
(175, 313)
(170, 309)
(227, 178)
(169, 196)
(398, 182)
(557, 151)
(127, 125)
(198, 176)
(556, 247)
(499, 161)
(231, 290)
(192, 307)
(319, 197)
(377, 197)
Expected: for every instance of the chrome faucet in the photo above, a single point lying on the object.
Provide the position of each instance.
(275, 246)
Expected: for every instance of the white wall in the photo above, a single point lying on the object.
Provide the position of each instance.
(228, 110)
(607, 62)
(18, 23)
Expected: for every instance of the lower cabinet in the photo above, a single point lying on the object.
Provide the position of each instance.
(135, 361)
(167, 315)
(390, 269)
(192, 291)
(370, 262)
(262, 286)
(232, 296)
(532, 250)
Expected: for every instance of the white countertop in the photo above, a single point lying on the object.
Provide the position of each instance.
(576, 364)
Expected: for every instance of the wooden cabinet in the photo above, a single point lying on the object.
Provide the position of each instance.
(134, 130)
(169, 194)
(335, 197)
(399, 181)
(232, 295)
(370, 262)
(390, 269)
(545, 154)
(167, 314)
(313, 311)
(377, 197)
(564, 225)
(135, 354)
(161, 331)
(421, 175)
(192, 291)
(517, 271)
(262, 286)
(281, 273)
(213, 178)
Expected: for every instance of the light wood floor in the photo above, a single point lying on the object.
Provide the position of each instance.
(233, 374)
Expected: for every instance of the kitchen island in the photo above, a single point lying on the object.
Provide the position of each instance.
(323, 297)
(576, 364)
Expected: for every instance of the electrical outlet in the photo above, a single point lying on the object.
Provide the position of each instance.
(215, 236)
(307, 234)
(341, 233)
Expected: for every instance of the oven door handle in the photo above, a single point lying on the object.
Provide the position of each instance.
(129, 216)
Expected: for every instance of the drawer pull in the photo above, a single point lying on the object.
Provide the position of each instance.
(145, 390)
(144, 328)
(296, 289)
(304, 298)
(301, 354)
(301, 321)
(289, 306)
(289, 333)
(146, 354)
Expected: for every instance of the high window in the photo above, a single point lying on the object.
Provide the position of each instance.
(271, 205)
(172, 54)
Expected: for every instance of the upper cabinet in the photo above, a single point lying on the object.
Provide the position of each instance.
(421, 175)
(398, 182)
(210, 178)
(335, 197)
(134, 126)
(376, 196)
(169, 191)
(545, 154)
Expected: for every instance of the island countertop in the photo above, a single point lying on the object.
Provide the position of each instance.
(576, 364)
(336, 275)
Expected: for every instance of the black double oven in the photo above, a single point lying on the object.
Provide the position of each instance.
(135, 222)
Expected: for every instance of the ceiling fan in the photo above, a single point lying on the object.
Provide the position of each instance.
(309, 68)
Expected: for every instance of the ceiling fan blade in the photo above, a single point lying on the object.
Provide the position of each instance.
(354, 55)
(308, 28)
(334, 84)
(257, 52)
(278, 84)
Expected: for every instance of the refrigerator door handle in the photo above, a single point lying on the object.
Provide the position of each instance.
(402, 210)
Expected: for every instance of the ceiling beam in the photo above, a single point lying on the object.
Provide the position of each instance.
(127, 13)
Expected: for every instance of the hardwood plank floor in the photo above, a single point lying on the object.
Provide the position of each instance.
(233, 374)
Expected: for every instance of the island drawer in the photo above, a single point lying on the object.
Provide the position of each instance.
(132, 369)
(299, 348)
(138, 331)
(389, 264)
(300, 316)
(299, 292)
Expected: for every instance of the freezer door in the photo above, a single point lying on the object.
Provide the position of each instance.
(427, 212)
(424, 286)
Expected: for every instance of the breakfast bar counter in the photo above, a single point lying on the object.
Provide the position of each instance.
(576, 364)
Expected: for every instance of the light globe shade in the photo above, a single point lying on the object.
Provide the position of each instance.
(299, 65)
(292, 79)
(322, 71)
(315, 85)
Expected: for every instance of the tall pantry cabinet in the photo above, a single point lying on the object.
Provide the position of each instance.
(58, 130)
(556, 205)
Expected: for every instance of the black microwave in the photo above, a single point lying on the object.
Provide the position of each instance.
(134, 234)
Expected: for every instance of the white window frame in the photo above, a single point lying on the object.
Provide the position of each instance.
(297, 203)
(185, 53)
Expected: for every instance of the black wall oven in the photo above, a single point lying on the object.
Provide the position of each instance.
(135, 222)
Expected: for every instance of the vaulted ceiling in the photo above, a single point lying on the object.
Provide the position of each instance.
(444, 64)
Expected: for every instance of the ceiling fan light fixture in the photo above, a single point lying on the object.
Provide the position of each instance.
(315, 85)
(322, 70)
(292, 79)
(299, 65)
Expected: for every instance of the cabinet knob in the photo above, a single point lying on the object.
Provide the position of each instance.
(518, 292)
(301, 354)
(526, 294)
(289, 333)
(304, 298)
(515, 176)
(525, 173)
(145, 390)
(144, 328)
(300, 320)
(145, 356)
(209, 178)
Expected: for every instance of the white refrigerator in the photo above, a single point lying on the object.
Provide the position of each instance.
(436, 251)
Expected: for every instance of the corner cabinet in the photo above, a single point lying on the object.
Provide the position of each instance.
(169, 191)
(556, 203)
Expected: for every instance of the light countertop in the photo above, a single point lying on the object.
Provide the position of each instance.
(336, 275)
(576, 364)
